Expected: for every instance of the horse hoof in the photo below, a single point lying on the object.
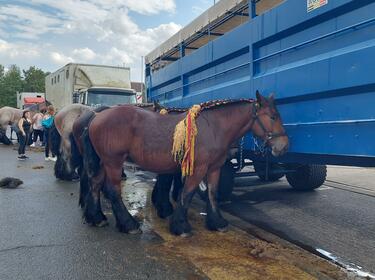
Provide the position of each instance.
(186, 234)
(103, 223)
(223, 229)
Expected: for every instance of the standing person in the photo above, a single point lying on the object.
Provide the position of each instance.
(24, 125)
(47, 124)
(37, 129)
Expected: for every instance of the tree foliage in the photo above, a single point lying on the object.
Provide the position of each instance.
(34, 80)
(13, 81)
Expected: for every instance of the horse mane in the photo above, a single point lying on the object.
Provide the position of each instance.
(144, 105)
(213, 104)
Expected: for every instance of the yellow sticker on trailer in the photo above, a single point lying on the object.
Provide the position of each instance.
(315, 4)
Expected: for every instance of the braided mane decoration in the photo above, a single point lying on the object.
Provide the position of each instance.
(218, 103)
(184, 141)
(144, 105)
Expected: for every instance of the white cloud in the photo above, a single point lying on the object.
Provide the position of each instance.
(20, 50)
(28, 23)
(90, 31)
(84, 54)
(60, 58)
(151, 6)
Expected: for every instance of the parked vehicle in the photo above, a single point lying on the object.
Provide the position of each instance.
(314, 55)
(92, 85)
(26, 99)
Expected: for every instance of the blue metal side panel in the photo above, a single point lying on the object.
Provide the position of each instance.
(320, 64)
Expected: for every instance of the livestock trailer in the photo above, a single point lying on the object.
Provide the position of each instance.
(317, 56)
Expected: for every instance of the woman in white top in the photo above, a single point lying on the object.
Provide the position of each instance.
(37, 128)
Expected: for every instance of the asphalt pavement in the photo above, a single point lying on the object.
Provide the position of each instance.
(338, 219)
(42, 235)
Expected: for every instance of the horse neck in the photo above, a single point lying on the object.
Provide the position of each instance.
(234, 120)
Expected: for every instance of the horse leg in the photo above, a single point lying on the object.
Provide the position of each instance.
(214, 220)
(179, 224)
(83, 187)
(92, 209)
(177, 185)
(160, 195)
(112, 190)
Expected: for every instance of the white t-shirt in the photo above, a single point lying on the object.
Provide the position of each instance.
(38, 117)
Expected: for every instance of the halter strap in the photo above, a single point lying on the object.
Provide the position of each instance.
(267, 135)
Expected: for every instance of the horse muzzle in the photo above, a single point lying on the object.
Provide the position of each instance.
(279, 146)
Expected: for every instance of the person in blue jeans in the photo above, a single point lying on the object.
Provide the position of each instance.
(47, 124)
(24, 125)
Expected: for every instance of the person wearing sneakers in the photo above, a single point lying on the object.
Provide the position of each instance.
(24, 125)
(37, 129)
(47, 123)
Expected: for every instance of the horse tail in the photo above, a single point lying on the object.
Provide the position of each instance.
(76, 159)
(91, 160)
(60, 165)
(55, 140)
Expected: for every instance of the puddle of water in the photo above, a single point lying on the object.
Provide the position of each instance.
(353, 268)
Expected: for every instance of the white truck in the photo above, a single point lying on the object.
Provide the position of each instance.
(92, 85)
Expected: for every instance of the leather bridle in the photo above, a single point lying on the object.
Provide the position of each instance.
(267, 135)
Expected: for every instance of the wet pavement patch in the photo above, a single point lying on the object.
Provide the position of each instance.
(232, 255)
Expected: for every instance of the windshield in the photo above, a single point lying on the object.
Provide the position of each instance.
(100, 98)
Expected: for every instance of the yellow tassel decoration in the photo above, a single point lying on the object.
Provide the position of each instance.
(184, 141)
(163, 112)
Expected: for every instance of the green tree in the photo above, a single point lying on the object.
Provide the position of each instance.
(1, 72)
(34, 80)
(10, 84)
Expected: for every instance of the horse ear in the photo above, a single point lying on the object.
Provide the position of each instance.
(260, 98)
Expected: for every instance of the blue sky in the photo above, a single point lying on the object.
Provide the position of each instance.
(52, 33)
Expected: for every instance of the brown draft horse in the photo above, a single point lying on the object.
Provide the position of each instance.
(160, 196)
(124, 132)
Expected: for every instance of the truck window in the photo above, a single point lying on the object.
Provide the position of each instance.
(100, 98)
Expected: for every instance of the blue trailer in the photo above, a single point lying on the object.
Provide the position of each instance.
(317, 56)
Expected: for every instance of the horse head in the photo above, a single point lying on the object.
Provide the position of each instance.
(268, 126)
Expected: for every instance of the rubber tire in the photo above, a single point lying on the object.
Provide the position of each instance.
(260, 169)
(307, 177)
(226, 183)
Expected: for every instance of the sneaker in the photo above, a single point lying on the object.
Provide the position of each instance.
(52, 158)
(21, 157)
(46, 158)
(32, 145)
(25, 156)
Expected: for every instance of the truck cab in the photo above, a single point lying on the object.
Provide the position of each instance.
(97, 96)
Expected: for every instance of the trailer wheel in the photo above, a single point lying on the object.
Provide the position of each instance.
(260, 170)
(226, 183)
(307, 177)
